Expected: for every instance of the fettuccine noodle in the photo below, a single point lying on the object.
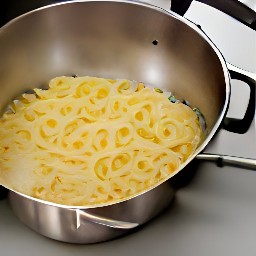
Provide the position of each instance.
(89, 140)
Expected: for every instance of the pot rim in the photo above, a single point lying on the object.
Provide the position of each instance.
(210, 135)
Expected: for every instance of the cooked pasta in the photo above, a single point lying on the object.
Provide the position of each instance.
(89, 140)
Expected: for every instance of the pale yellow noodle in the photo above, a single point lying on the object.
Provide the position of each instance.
(89, 140)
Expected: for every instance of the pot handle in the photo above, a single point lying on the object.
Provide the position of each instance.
(83, 216)
(244, 11)
(230, 160)
(242, 125)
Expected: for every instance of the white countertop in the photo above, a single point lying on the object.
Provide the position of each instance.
(213, 215)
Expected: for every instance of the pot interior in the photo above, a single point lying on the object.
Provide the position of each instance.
(113, 40)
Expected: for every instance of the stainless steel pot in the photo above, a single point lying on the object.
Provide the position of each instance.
(114, 39)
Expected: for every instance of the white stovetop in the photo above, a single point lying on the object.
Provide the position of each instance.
(214, 215)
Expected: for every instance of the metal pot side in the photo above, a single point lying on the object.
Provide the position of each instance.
(65, 225)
